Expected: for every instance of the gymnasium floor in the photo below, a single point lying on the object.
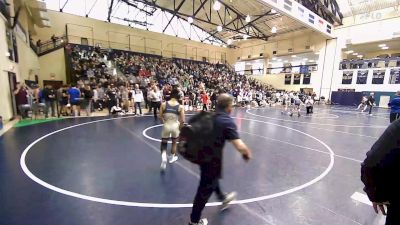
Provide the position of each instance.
(106, 171)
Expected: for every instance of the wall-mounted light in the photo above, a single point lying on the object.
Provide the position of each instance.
(190, 20)
(217, 5)
(248, 18)
(219, 28)
(273, 30)
(229, 41)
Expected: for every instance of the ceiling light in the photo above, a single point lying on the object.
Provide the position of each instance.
(382, 45)
(385, 48)
(219, 28)
(311, 60)
(245, 37)
(317, 53)
(360, 56)
(286, 61)
(294, 56)
(274, 58)
(273, 11)
(217, 5)
(229, 41)
(190, 20)
(305, 59)
(273, 30)
(349, 52)
(248, 19)
(355, 53)
(279, 60)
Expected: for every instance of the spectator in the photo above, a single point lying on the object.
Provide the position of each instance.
(155, 97)
(138, 99)
(204, 100)
(211, 171)
(74, 99)
(87, 99)
(63, 100)
(379, 173)
(21, 99)
(394, 105)
(54, 40)
(49, 95)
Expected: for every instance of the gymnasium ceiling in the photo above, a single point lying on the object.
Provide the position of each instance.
(171, 17)
(356, 7)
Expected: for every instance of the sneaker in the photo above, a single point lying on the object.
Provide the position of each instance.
(173, 158)
(228, 198)
(201, 222)
(163, 161)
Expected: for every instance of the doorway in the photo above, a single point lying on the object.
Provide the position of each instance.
(12, 79)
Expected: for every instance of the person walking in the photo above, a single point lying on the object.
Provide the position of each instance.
(394, 105)
(138, 99)
(172, 115)
(379, 173)
(211, 171)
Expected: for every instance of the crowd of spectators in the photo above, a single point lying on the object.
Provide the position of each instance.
(123, 82)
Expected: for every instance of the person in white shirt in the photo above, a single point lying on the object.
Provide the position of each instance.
(138, 99)
(155, 98)
(309, 105)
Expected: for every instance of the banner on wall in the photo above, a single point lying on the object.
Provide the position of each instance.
(288, 79)
(304, 69)
(296, 79)
(378, 76)
(307, 78)
(394, 76)
(362, 76)
(347, 77)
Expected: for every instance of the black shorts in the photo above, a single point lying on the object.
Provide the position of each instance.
(76, 103)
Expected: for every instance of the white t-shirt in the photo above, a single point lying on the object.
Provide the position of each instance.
(138, 95)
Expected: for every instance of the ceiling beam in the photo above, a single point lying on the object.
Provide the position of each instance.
(110, 11)
(176, 10)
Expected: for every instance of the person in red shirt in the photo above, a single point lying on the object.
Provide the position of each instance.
(204, 100)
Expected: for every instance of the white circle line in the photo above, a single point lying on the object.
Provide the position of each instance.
(163, 205)
(321, 124)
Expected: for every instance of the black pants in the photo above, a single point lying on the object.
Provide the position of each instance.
(110, 104)
(394, 116)
(209, 182)
(155, 106)
(309, 109)
(50, 105)
(393, 214)
(370, 109)
(205, 107)
(138, 105)
(213, 104)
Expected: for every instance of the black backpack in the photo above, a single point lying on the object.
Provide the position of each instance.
(195, 136)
